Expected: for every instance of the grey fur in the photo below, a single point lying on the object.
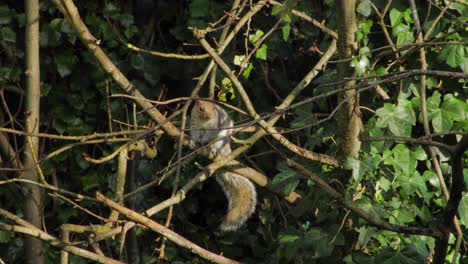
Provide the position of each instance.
(204, 131)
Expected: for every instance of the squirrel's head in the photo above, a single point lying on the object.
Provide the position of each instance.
(204, 110)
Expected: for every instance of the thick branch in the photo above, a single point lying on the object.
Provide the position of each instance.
(350, 123)
(370, 218)
(27, 228)
(166, 232)
(32, 202)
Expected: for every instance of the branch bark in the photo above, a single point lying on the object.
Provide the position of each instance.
(349, 120)
(32, 202)
(166, 232)
(30, 230)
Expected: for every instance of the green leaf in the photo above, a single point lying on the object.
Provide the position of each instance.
(403, 162)
(6, 15)
(364, 8)
(359, 167)
(453, 55)
(399, 119)
(419, 153)
(365, 235)
(442, 118)
(464, 65)
(125, 19)
(405, 37)
(463, 210)
(408, 255)
(276, 10)
(253, 38)
(395, 17)
(247, 71)
(286, 31)
(402, 216)
(412, 183)
(56, 23)
(65, 62)
(6, 236)
(304, 116)
(288, 238)
(49, 37)
(384, 184)
(454, 108)
(262, 52)
(408, 16)
(360, 65)
(287, 180)
(238, 59)
(111, 9)
(226, 87)
(287, 18)
(137, 61)
(7, 34)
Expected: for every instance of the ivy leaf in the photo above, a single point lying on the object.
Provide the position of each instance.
(412, 183)
(6, 14)
(288, 238)
(65, 63)
(360, 65)
(359, 167)
(395, 17)
(226, 89)
(49, 37)
(304, 117)
(287, 180)
(286, 31)
(247, 71)
(402, 216)
(7, 34)
(399, 119)
(464, 65)
(137, 61)
(405, 37)
(442, 117)
(262, 52)
(408, 255)
(364, 28)
(402, 160)
(454, 108)
(198, 8)
(253, 38)
(432, 105)
(276, 10)
(6, 236)
(419, 153)
(365, 235)
(238, 59)
(463, 210)
(453, 55)
(364, 8)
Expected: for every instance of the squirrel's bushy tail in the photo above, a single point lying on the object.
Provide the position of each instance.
(242, 198)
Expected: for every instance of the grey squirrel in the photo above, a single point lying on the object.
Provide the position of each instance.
(207, 123)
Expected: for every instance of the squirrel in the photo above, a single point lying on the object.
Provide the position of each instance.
(207, 123)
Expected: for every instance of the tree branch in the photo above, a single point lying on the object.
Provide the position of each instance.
(166, 232)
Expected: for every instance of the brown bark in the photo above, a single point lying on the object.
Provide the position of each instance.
(34, 251)
(349, 120)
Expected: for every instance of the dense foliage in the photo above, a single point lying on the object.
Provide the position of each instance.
(391, 179)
